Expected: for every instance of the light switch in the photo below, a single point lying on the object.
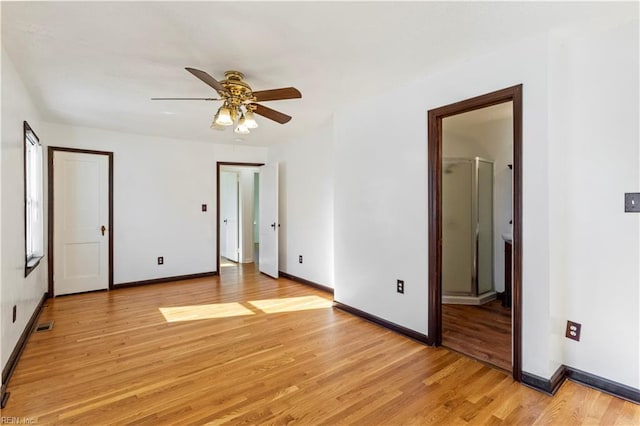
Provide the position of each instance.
(632, 202)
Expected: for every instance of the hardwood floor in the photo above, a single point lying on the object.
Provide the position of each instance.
(482, 332)
(246, 349)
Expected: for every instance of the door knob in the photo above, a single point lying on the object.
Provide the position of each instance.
(225, 221)
(102, 229)
(273, 225)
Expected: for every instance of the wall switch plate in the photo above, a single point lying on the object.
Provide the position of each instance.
(300, 259)
(160, 260)
(400, 286)
(15, 313)
(204, 207)
(632, 202)
(573, 331)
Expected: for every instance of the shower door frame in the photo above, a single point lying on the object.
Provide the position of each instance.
(475, 280)
(435, 117)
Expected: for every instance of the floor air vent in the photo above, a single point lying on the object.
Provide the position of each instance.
(44, 326)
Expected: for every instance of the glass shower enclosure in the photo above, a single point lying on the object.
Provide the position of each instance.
(467, 230)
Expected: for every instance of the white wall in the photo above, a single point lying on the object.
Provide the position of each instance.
(381, 192)
(25, 293)
(159, 187)
(559, 151)
(457, 144)
(586, 145)
(597, 242)
(306, 205)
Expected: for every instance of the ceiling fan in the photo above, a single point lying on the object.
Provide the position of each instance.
(239, 101)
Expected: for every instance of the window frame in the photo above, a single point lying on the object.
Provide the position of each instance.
(33, 190)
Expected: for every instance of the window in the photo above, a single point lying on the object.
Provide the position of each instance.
(33, 200)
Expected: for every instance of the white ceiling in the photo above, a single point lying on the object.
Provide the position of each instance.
(97, 64)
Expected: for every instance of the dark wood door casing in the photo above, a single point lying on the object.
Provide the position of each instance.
(50, 234)
(435, 117)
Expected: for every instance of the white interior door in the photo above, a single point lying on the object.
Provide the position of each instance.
(81, 218)
(268, 222)
(229, 215)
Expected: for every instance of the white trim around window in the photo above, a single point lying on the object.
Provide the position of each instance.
(33, 200)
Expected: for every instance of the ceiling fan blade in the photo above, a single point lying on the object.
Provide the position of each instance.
(271, 114)
(277, 94)
(206, 78)
(186, 99)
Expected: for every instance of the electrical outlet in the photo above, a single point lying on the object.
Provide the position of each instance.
(160, 260)
(300, 259)
(15, 313)
(573, 331)
(400, 286)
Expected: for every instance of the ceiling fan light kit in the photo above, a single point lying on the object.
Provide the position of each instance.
(242, 126)
(250, 120)
(224, 116)
(239, 101)
(215, 125)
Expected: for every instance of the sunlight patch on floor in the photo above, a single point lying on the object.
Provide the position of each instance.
(224, 262)
(235, 309)
(201, 312)
(291, 304)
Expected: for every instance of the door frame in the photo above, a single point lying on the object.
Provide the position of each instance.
(219, 165)
(50, 234)
(435, 117)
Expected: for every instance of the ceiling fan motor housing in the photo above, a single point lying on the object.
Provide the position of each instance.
(239, 92)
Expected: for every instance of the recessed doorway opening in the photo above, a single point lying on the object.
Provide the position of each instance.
(237, 223)
(475, 227)
(477, 155)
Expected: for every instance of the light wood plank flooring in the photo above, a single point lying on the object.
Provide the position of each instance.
(246, 349)
(483, 332)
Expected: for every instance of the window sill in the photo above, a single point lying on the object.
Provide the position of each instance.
(31, 265)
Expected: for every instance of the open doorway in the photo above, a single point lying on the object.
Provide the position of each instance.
(237, 241)
(477, 156)
(464, 245)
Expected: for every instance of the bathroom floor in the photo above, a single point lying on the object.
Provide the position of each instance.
(482, 332)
